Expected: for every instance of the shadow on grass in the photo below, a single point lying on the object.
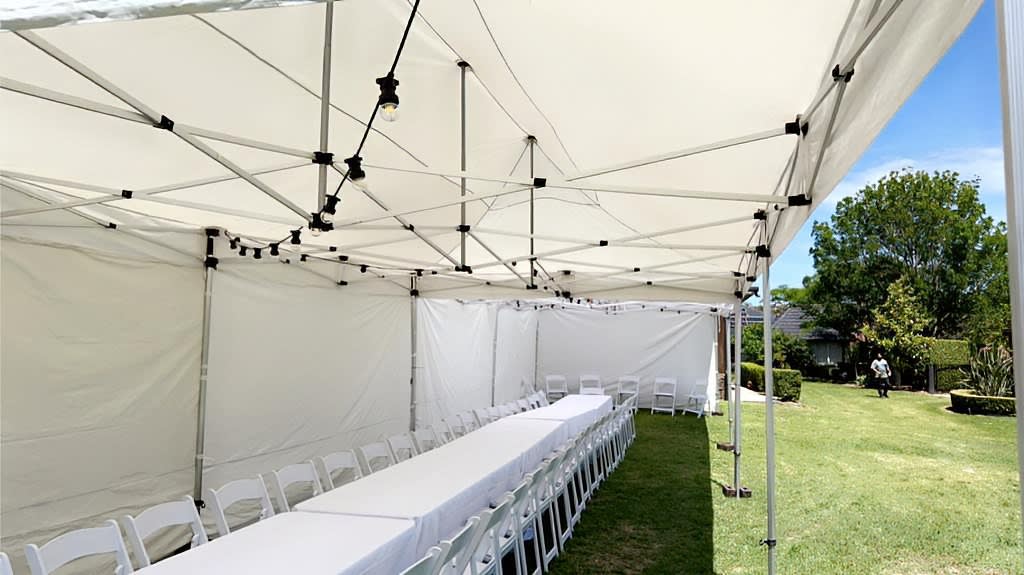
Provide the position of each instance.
(654, 514)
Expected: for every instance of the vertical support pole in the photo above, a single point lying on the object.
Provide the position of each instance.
(210, 265)
(533, 263)
(462, 207)
(769, 412)
(536, 354)
(413, 296)
(325, 104)
(1010, 19)
(494, 353)
(737, 398)
(728, 375)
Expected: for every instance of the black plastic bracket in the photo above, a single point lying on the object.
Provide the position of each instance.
(838, 75)
(649, 283)
(419, 273)
(342, 283)
(165, 124)
(769, 542)
(799, 200)
(738, 294)
(414, 292)
(531, 139)
(126, 194)
(531, 286)
(763, 251)
(540, 182)
(302, 257)
(462, 228)
(296, 237)
(410, 227)
(466, 269)
(323, 158)
(210, 262)
(636, 270)
(111, 226)
(761, 215)
(212, 232)
(796, 127)
(342, 258)
(737, 274)
(319, 223)
(200, 504)
(602, 243)
(751, 278)
(332, 248)
(463, 64)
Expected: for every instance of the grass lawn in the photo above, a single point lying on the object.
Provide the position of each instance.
(865, 486)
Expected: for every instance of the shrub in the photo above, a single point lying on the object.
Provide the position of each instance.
(944, 352)
(787, 382)
(948, 378)
(990, 373)
(967, 401)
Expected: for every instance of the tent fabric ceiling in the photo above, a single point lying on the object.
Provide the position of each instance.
(709, 85)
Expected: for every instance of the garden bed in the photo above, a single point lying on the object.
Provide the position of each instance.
(967, 401)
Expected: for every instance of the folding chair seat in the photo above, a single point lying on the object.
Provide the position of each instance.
(402, 447)
(172, 513)
(251, 489)
(628, 385)
(375, 456)
(77, 544)
(425, 439)
(591, 385)
(664, 390)
(555, 386)
(297, 473)
(696, 399)
(335, 467)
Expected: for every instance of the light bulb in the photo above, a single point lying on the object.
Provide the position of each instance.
(388, 111)
(327, 218)
(359, 184)
(315, 231)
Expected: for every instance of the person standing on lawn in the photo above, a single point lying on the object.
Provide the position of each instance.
(882, 373)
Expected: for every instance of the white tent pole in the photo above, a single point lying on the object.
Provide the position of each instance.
(163, 121)
(738, 398)
(533, 262)
(204, 362)
(508, 266)
(462, 165)
(769, 415)
(1010, 18)
(115, 112)
(728, 379)
(825, 141)
(536, 351)
(325, 104)
(494, 353)
(681, 153)
(413, 297)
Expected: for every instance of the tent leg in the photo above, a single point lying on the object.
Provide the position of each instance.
(728, 376)
(533, 263)
(1010, 18)
(325, 104)
(769, 403)
(462, 207)
(412, 363)
(204, 361)
(494, 353)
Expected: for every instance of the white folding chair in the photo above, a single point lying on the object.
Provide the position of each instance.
(523, 405)
(219, 500)
(375, 456)
(443, 432)
(556, 386)
(499, 411)
(304, 473)
(459, 553)
(402, 447)
(628, 385)
(591, 385)
(425, 439)
(77, 544)
(172, 513)
(483, 415)
(470, 421)
(455, 426)
(336, 465)
(5, 564)
(697, 398)
(542, 399)
(486, 556)
(429, 564)
(664, 389)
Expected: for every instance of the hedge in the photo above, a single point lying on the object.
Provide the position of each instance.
(948, 378)
(949, 352)
(966, 401)
(787, 382)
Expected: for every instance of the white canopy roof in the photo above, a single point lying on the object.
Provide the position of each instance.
(660, 130)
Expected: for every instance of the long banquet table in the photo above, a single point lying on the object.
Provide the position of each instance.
(307, 543)
(577, 411)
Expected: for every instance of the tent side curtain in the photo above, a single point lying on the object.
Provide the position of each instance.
(99, 387)
(647, 344)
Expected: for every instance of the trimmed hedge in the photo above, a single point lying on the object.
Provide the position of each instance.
(949, 352)
(948, 378)
(787, 382)
(966, 401)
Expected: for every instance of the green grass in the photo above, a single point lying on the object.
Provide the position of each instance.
(865, 486)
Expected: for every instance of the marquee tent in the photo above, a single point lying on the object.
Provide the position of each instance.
(582, 151)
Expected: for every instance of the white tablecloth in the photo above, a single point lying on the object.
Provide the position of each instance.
(577, 411)
(307, 543)
(442, 488)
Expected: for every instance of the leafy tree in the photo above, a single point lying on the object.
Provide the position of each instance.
(897, 327)
(930, 229)
(787, 351)
(785, 297)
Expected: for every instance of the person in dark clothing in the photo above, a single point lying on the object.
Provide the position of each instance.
(882, 374)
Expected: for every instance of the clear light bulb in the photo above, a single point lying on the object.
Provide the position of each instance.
(327, 218)
(315, 232)
(388, 111)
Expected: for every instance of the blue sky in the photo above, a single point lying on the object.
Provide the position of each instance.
(953, 121)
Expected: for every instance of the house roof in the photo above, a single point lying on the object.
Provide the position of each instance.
(794, 322)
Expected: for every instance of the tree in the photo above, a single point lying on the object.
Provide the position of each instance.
(897, 328)
(785, 297)
(929, 229)
(787, 351)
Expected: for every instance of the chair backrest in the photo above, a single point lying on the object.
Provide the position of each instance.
(250, 489)
(343, 461)
(443, 432)
(375, 456)
(699, 389)
(459, 552)
(140, 527)
(523, 405)
(77, 544)
(555, 383)
(469, 420)
(629, 384)
(455, 426)
(425, 439)
(483, 415)
(485, 540)
(429, 564)
(499, 411)
(5, 564)
(591, 385)
(402, 447)
(542, 399)
(665, 385)
(292, 474)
